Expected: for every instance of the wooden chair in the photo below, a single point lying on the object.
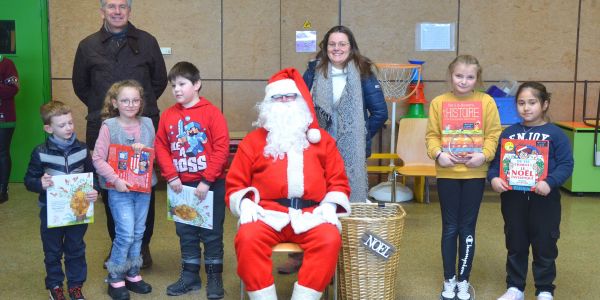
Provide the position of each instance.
(287, 248)
(411, 152)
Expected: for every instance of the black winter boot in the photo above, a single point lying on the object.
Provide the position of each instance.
(189, 280)
(214, 284)
(138, 287)
(120, 293)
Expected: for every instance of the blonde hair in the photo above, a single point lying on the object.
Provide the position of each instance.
(466, 59)
(53, 109)
(109, 110)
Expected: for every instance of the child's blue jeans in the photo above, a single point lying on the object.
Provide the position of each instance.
(129, 211)
(66, 240)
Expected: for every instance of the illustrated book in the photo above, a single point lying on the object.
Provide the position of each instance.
(462, 129)
(66, 203)
(523, 163)
(135, 168)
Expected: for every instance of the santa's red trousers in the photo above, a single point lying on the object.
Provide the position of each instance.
(254, 242)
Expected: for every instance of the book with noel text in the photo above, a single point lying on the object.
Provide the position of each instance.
(523, 163)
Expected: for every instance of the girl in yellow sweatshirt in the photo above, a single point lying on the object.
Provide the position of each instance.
(462, 136)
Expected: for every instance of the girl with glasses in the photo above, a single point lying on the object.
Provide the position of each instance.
(124, 125)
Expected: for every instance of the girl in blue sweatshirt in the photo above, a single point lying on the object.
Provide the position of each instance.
(532, 218)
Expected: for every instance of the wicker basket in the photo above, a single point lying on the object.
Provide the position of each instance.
(361, 273)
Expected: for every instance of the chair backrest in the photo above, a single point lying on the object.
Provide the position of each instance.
(410, 145)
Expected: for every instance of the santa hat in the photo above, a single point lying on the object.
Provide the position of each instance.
(290, 81)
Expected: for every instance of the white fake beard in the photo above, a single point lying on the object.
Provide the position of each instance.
(287, 123)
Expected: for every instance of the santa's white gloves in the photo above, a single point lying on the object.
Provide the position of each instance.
(249, 211)
(327, 210)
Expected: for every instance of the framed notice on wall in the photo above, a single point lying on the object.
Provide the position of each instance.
(306, 41)
(435, 37)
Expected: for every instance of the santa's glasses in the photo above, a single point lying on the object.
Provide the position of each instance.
(284, 97)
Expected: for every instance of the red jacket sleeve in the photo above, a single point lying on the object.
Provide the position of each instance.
(239, 175)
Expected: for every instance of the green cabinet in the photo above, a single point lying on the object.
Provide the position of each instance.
(586, 176)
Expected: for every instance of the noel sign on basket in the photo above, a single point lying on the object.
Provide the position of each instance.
(377, 245)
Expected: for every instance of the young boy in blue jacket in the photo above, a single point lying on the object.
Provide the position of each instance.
(60, 154)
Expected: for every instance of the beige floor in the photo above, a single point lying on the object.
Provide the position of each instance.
(419, 275)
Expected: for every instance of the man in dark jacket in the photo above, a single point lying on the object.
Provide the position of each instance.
(119, 51)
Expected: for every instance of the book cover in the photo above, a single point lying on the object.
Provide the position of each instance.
(66, 203)
(186, 208)
(135, 168)
(523, 163)
(462, 129)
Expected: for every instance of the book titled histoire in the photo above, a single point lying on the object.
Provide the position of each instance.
(462, 130)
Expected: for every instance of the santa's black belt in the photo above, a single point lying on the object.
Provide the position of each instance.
(297, 203)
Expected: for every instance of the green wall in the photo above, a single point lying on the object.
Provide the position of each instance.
(33, 65)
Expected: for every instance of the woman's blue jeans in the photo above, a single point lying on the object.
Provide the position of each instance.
(129, 211)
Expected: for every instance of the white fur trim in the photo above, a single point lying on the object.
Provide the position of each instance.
(340, 199)
(235, 199)
(313, 135)
(268, 293)
(283, 86)
(275, 219)
(304, 221)
(295, 173)
(305, 293)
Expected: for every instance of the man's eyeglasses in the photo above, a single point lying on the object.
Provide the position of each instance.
(130, 102)
(339, 45)
(284, 97)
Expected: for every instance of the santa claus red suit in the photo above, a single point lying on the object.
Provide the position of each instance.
(295, 195)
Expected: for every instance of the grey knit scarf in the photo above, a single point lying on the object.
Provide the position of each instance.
(345, 121)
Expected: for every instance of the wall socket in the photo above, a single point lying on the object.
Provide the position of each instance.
(165, 50)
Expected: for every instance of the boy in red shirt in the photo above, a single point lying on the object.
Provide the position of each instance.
(192, 146)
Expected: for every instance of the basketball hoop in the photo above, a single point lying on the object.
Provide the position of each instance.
(395, 80)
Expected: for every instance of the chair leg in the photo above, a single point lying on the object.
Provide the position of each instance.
(419, 188)
(242, 288)
(394, 177)
(426, 190)
(335, 281)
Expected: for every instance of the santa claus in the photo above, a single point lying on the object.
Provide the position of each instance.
(287, 183)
